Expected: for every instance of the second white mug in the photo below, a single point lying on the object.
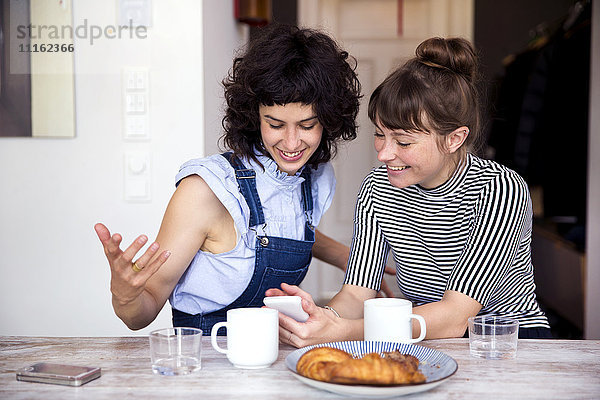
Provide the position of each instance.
(389, 320)
(252, 337)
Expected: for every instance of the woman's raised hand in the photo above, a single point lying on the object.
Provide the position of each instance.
(128, 278)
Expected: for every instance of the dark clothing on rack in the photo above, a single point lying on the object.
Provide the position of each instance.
(541, 124)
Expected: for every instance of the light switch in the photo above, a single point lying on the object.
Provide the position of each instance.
(136, 127)
(140, 103)
(135, 13)
(135, 103)
(130, 81)
(137, 177)
(137, 165)
(137, 190)
(135, 79)
(141, 79)
(130, 103)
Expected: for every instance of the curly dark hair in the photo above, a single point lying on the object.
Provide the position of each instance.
(287, 64)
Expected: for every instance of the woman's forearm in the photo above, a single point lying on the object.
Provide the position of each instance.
(448, 317)
(349, 302)
(353, 329)
(330, 251)
(138, 313)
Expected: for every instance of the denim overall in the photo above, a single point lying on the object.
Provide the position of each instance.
(278, 259)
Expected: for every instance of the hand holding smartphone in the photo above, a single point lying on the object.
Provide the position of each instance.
(288, 305)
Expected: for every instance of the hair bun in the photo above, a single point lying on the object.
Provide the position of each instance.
(454, 54)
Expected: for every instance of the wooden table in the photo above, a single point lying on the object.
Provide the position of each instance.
(543, 369)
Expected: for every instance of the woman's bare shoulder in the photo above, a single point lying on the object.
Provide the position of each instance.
(196, 197)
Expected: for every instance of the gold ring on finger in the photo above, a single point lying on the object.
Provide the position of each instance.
(135, 267)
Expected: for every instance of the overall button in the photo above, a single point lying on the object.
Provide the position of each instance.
(264, 241)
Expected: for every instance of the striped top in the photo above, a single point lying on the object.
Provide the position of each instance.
(472, 235)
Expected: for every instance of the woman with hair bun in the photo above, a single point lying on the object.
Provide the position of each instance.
(459, 227)
(244, 221)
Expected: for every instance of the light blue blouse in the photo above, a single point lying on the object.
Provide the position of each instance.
(213, 281)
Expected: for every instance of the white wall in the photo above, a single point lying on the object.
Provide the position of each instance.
(221, 44)
(54, 279)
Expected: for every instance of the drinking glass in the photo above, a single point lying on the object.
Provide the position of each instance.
(493, 337)
(176, 351)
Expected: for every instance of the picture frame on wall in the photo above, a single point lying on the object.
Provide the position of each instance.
(36, 69)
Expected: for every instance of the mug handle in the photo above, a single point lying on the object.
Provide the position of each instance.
(423, 328)
(213, 336)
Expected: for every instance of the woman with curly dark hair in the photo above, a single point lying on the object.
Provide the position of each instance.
(288, 66)
(244, 221)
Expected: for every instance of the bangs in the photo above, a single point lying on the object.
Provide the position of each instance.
(292, 83)
(398, 104)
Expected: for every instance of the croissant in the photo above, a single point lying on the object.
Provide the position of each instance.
(336, 366)
(403, 358)
(315, 363)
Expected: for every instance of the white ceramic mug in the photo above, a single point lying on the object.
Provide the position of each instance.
(389, 320)
(252, 337)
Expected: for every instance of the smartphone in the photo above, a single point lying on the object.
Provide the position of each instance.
(60, 374)
(288, 305)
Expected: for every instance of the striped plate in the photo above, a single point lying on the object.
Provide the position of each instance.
(435, 365)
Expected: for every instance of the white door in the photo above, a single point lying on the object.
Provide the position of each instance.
(368, 30)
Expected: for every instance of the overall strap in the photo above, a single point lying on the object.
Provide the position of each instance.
(307, 203)
(246, 179)
(307, 200)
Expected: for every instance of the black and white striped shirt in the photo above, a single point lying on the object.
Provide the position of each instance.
(471, 235)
